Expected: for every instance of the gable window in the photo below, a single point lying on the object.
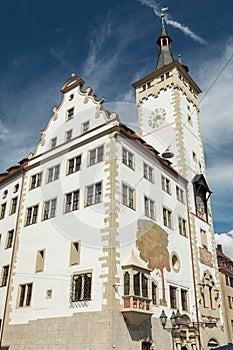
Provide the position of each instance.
(167, 217)
(173, 297)
(25, 295)
(74, 253)
(184, 299)
(96, 155)
(182, 227)
(128, 196)
(166, 184)
(49, 209)
(9, 239)
(31, 215)
(148, 172)
(74, 165)
(179, 194)
(13, 205)
(70, 113)
(81, 289)
(71, 201)
(2, 211)
(94, 194)
(53, 142)
(128, 158)
(149, 207)
(85, 126)
(53, 173)
(68, 135)
(40, 259)
(35, 180)
(5, 273)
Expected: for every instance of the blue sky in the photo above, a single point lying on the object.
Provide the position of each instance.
(111, 44)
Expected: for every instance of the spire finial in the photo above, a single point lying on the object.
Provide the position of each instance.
(163, 9)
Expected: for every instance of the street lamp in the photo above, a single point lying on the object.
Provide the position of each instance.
(176, 322)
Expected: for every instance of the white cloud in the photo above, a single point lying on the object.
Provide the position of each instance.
(3, 132)
(226, 240)
(169, 20)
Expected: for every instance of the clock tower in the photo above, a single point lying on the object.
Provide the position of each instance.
(168, 117)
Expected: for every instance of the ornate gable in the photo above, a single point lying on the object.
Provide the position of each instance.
(78, 113)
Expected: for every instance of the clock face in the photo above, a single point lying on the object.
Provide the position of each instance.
(200, 205)
(157, 117)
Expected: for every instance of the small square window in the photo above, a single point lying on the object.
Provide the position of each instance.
(53, 143)
(70, 113)
(85, 126)
(68, 135)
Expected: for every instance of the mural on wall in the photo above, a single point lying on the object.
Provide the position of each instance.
(152, 243)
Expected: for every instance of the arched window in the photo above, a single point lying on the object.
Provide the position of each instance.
(212, 343)
(126, 283)
(144, 286)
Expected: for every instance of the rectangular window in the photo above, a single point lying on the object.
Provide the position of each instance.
(9, 239)
(182, 227)
(127, 158)
(231, 281)
(227, 280)
(35, 180)
(229, 302)
(74, 165)
(2, 211)
(75, 253)
(53, 173)
(40, 258)
(173, 297)
(149, 208)
(148, 172)
(25, 295)
(49, 209)
(13, 205)
(179, 194)
(70, 113)
(96, 155)
(71, 201)
(166, 184)
(85, 126)
(68, 135)
(31, 215)
(232, 325)
(128, 196)
(167, 217)
(94, 194)
(53, 142)
(203, 238)
(5, 273)
(81, 289)
(184, 299)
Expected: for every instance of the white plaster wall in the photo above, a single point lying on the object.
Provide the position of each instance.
(7, 224)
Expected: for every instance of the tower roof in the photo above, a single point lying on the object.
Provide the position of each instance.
(165, 48)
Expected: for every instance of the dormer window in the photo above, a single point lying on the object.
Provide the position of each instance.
(164, 42)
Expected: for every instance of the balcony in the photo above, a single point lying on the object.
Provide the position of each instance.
(136, 309)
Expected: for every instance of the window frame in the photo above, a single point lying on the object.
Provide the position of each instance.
(13, 205)
(75, 163)
(32, 219)
(173, 297)
(49, 211)
(70, 113)
(169, 220)
(128, 158)
(3, 210)
(148, 211)
(72, 194)
(96, 155)
(53, 174)
(5, 275)
(94, 194)
(24, 295)
(37, 182)
(148, 172)
(182, 225)
(129, 196)
(84, 294)
(166, 184)
(9, 239)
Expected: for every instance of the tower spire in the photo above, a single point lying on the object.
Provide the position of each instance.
(164, 43)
